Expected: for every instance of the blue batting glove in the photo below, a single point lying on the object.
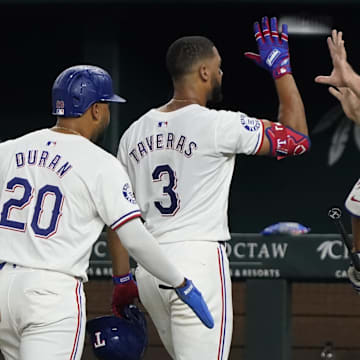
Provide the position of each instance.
(191, 296)
(273, 51)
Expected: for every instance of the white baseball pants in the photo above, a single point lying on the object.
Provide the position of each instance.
(42, 314)
(182, 333)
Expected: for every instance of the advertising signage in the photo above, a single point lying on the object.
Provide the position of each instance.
(301, 257)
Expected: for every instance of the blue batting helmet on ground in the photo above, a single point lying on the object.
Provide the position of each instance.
(115, 338)
(78, 87)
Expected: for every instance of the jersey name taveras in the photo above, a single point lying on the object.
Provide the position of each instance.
(57, 192)
(181, 163)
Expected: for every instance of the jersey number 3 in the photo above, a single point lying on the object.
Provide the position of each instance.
(19, 204)
(168, 190)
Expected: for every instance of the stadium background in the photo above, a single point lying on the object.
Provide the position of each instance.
(129, 38)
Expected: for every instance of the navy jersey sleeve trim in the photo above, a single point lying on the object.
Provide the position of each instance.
(125, 218)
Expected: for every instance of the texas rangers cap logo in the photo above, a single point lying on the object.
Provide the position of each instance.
(128, 193)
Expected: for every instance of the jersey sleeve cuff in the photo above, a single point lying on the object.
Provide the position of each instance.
(125, 218)
(261, 138)
(351, 212)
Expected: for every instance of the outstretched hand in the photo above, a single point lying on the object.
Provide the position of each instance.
(345, 81)
(342, 71)
(349, 102)
(273, 49)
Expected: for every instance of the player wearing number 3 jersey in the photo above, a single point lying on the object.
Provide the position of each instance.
(180, 159)
(58, 189)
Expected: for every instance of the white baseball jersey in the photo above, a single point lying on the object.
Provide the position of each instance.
(180, 164)
(352, 202)
(56, 192)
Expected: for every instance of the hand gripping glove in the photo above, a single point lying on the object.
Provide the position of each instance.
(354, 275)
(191, 296)
(273, 51)
(124, 292)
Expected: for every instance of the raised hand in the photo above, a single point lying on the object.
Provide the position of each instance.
(342, 73)
(349, 102)
(273, 50)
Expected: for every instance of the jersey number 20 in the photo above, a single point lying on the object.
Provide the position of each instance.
(46, 190)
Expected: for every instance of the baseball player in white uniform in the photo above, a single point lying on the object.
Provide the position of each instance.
(57, 190)
(180, 159)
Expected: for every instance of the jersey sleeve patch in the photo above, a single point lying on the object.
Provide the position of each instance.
(253, 134)
(128, 193)
(250, 124)
(237, 133)
(125, 218)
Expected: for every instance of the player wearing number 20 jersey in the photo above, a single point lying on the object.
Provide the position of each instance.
(57, 190)
(51, 227)
(54, 200)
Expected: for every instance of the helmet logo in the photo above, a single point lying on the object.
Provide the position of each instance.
(98, 342)
(115, 338)
(59, 107)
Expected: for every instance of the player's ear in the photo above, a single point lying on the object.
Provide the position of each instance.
(95, 111)
(204, 72)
